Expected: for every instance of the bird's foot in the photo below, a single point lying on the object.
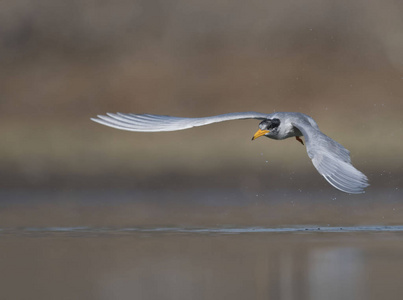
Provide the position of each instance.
(299, 140)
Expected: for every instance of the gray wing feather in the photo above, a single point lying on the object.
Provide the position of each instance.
(332, 160)
(156, 123)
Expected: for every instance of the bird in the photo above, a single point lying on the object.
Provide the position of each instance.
(330, 158)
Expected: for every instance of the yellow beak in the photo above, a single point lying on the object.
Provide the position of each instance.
(260, 133)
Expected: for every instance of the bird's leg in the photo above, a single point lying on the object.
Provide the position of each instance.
(299, 140)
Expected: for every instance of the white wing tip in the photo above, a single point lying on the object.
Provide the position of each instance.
(359, 188)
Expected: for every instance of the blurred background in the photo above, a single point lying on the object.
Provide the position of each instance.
(63, 62)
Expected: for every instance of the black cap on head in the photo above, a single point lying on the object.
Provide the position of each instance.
(269, 124)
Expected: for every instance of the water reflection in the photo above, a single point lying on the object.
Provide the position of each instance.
(176, 245)
(116, 264)
(336, 273)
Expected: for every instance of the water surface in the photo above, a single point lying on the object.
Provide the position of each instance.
(200, 245)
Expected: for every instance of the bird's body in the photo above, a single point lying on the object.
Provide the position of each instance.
(286, 128)
(330, 158)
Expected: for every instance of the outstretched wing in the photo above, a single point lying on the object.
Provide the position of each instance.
(332, 160)
(155, 123)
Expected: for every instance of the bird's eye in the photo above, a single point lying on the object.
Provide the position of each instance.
(274, 123)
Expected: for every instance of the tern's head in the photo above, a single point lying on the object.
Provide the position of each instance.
(268, 128)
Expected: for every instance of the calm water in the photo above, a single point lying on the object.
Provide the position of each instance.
(200, 245)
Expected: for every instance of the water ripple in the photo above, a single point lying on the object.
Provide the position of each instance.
(203, 230)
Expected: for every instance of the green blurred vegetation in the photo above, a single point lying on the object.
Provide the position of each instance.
(64, 62)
